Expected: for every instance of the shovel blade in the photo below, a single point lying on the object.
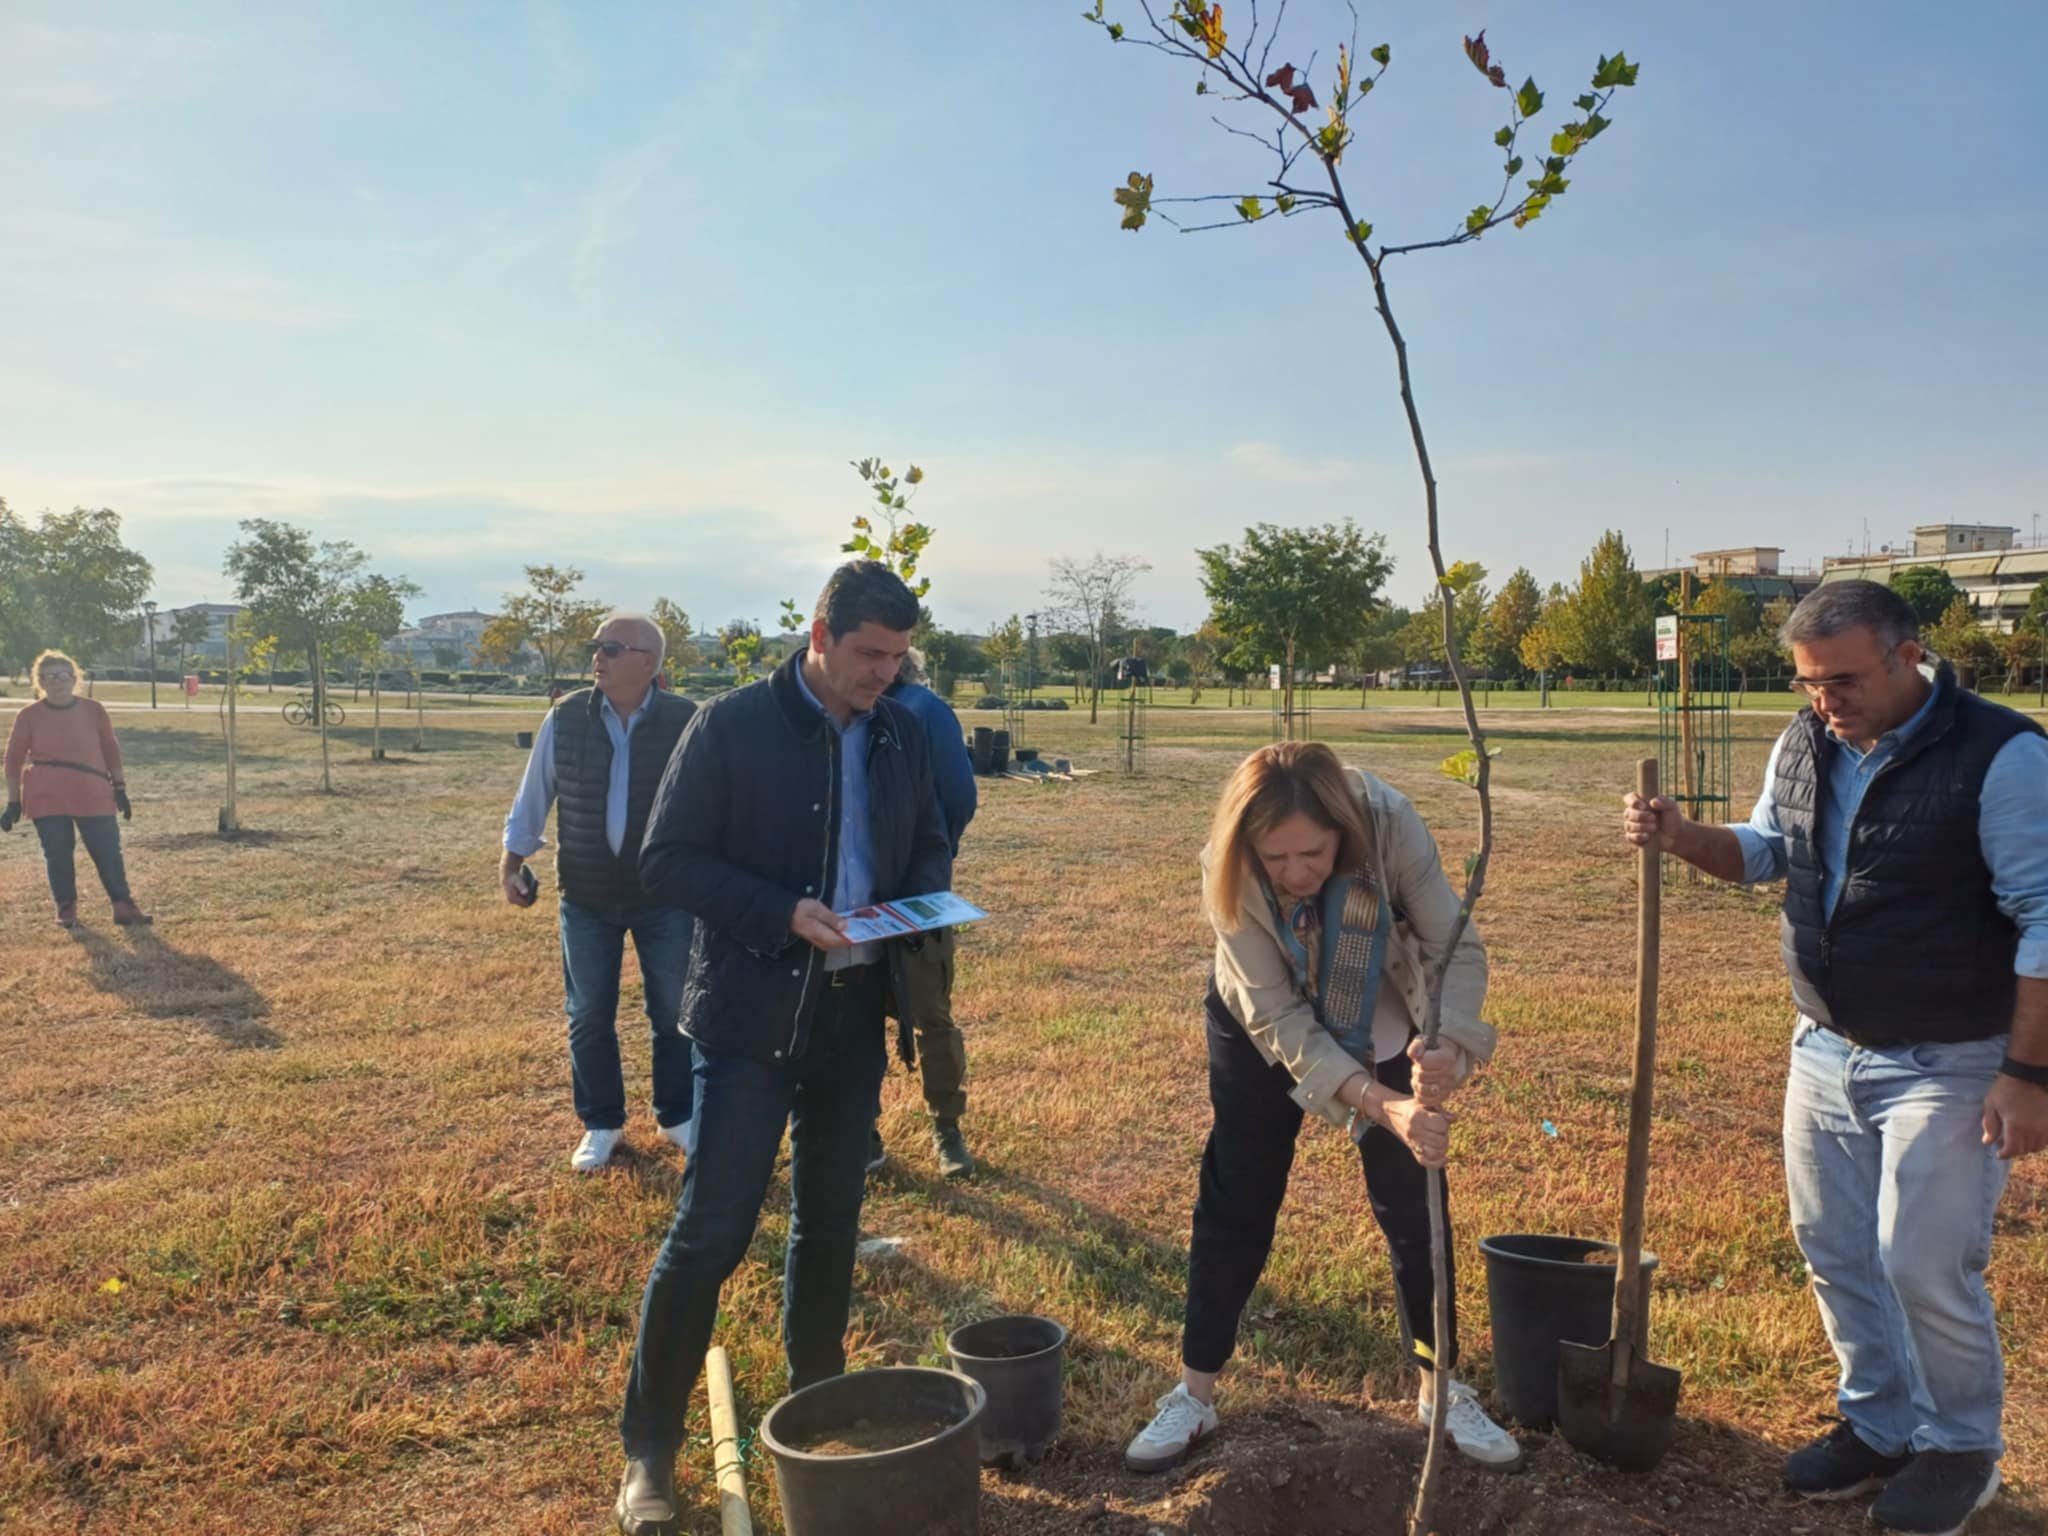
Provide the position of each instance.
(1629, 1427)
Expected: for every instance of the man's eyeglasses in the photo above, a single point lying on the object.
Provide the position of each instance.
(612, 648)
(1842, 686)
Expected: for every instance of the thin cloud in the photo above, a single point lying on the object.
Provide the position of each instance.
(608, 210)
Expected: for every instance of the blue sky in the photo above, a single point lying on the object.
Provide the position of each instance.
(626, 286)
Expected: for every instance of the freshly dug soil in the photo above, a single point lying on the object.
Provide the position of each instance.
(865, 1438)
(1349, 1474)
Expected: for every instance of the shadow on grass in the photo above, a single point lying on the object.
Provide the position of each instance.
(246, 838)
(151, 977)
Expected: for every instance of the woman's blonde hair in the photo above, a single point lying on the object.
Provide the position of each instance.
(35, 671)
(1289, 778)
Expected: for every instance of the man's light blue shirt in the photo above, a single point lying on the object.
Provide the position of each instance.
(526, 826)
(854, 882)
(2012, 826)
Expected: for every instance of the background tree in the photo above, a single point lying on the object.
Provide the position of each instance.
(552, 617)
(900, 540)
(1004, 647)
(2036, 618)
(502, 643)
(1072, 654)
(1511, 614)
(1958, 638)
(677, 635)
(1611, 622)
(447, 657)
(1200, 651)
(1296, 596)
(1090, 598)
(1307, 179)
(68, 582)
(739, 644)
(1928, 590)
(310, 596)
(190, 630)
(1760, 651)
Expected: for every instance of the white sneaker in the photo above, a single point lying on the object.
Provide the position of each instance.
(1473, 1433)
(676, 1133)
(595, 1150)
(1181, 1421)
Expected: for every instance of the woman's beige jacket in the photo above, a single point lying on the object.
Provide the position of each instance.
(1257, 985)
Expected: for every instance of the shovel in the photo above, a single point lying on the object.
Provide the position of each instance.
(1612, 1403)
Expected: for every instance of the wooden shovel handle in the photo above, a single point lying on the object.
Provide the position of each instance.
(1628, 1288)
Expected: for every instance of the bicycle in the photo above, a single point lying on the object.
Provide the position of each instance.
(300, 712)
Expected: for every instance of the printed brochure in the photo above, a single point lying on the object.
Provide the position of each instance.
(909, 914)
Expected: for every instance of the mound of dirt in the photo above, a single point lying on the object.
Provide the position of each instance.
(1353, 1475)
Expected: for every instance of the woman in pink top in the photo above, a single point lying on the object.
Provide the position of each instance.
(64, 774)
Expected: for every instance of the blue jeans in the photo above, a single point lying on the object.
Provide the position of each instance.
(1892, 1193)
(829, 1099)
(593, 948)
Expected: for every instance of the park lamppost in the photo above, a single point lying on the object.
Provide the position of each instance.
(1031, 656)
(149, 626)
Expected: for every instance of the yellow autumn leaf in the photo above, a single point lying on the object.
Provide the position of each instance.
(112, 1285)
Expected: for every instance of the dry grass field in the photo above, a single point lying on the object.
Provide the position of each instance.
(291, 1244)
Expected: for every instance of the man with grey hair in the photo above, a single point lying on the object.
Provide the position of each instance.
(601, 752)
(1909, 820)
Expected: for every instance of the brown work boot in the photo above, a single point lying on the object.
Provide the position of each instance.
(129, 915)
(67, 914)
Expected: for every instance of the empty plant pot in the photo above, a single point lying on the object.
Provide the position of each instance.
(525, 739)
(1020, 1363)
(886, 1450)
(1545, 1291)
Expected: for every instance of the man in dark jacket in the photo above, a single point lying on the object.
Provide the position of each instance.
(601, 752)
(924, 967)
(1909, 820)
(788, 802)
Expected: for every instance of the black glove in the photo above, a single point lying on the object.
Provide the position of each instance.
(10, 816)
(121, 801)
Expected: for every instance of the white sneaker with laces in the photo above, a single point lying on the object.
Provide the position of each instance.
(1182, 1419)
(595, 1150)
(1473, 1434)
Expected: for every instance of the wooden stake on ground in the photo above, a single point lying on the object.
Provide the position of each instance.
(735, 1519)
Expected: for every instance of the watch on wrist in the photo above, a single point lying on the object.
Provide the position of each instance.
(2025, 1071)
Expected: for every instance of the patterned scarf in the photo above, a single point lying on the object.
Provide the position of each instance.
(1336, 946)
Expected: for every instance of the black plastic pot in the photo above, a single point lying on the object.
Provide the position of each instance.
(984, 740)
(999, 752)
(932, 1486)
(1020, 1363)
(1544, 1291)
(525, 739)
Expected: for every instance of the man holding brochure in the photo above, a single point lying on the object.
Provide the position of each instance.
(787, 803)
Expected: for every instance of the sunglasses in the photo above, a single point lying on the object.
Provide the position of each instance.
(612, 648)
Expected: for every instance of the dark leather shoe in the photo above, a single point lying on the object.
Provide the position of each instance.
(647, 1498)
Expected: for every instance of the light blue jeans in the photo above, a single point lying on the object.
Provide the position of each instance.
(1892, 1193)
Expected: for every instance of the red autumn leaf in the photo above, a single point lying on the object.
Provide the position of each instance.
(1304, 97)
(1475, 50)
(1282, 77)
(1498, 76)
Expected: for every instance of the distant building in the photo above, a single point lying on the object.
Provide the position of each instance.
(214, 648)
(429, 642)
(1759, 561)
(1998, 579)
(1961, 538)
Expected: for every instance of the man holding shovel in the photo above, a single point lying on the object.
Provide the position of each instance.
(1909, 819)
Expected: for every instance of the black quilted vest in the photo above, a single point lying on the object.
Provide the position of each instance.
(1917, 951)
(591, 874)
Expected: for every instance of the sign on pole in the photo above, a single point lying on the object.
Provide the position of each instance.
(1667, 638)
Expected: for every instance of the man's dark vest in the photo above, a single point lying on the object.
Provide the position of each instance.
(1917, 951)
(591, 874)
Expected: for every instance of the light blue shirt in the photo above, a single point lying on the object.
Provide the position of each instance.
(526, 826)
(853, 883)
(2012, 827)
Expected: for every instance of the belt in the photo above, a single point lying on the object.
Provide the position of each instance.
(854, 975)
